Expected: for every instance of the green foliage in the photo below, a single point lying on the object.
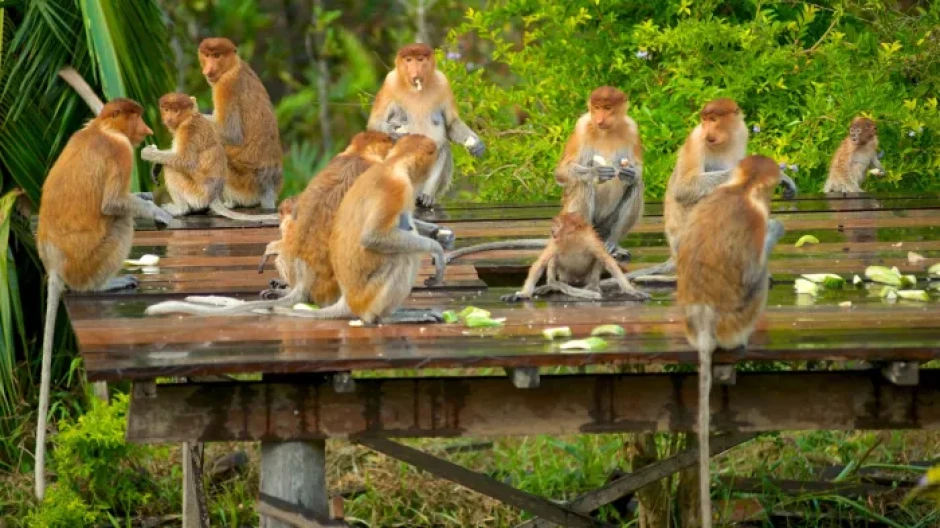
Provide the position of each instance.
(63, 508)
(800, 71)
(97, 472)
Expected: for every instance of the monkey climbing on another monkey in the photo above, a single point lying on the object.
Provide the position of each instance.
(245, 116)
(857, 153)
(304, 249)
(86, 224)
(575, 258)
(705, 161)
(416, 98)
(722, 277)
(601, 170)
(195, 168)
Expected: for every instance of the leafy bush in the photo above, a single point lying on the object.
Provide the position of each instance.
(97, 472)
(800, 72)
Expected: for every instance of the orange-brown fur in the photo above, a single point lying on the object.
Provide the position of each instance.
(416, 98)
(375, 284)
(722, 277)
(608, 131)
(243, 110)
(856, 154)
(197, 179)
(574, 259)
(93, 168)
(317, 207)
(719, 142)
(86, 225)
(283, 262)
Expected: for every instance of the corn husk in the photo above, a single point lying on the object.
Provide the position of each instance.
(806, 239)
(804, 286)
(934, 270)
(305, 306)
(883, 275)
(450, 316)
(829, 280)
(144, 260)
(483, 321)
(609, 329)
(552, 333)
(591, 343)
(914, 295)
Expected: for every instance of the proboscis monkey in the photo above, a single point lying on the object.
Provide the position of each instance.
(575, 258)
(243, 111)
(284, 265)
(305, 247)
(722, 277)
(86, 224)
(195, 167)
(857, 153)
(375, 248)
(601, 170)
(416, 99)
(705, 161)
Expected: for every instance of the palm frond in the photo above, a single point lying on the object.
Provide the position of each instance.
(11, 312)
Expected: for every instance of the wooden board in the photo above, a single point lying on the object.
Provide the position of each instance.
(209, 256)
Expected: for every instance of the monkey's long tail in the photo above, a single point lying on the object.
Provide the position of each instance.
(337, 310)
(217, 305)
(493, 246)
(53, 295)
(704, 318)
(666, 268)
(221, 210)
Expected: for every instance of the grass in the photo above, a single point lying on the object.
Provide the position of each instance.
(384, 492)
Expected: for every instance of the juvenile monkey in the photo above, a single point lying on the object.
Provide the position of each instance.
(375, 249)
(416, 98)
(243, 111)
(723, 279)
(857, 153)
(575, 258)
(601, 170)
(304, 250)
(286, 212)
(86, 224)
(195, 168)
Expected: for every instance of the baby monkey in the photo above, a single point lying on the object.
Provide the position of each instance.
(722, 277)
(575, 257)
(856, 155)
(287, 215)
(195, 168)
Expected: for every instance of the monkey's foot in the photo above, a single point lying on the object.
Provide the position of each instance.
(618, 252)
(425, 200)
(272, 294)
(414, 316)
(124, 282)
(632, 295)
(174, 209)
(278, 284)
(145, 196)
(515, 297)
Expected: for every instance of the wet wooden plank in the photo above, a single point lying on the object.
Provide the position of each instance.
(452, 407)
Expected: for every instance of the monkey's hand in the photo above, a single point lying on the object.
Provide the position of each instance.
(145, 196)
(627, 174)
(149, 153)
(437, 258)
(605, 172)
(515, 297)
(477, 147)
(789, 187)
(425, 200)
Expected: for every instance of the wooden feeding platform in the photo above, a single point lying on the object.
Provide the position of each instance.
(811, 364)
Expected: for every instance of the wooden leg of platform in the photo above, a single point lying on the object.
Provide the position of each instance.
(195, 509)
(101, 390)
(295, 472)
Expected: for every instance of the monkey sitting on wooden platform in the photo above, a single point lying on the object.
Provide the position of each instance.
(575, 258)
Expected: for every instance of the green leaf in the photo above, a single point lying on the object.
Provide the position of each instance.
(9, 306)
(102, 48)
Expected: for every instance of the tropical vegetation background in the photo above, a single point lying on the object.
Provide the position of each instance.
(521, 70)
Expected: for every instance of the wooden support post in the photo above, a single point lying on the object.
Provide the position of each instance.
(101, 390)
(292, 515)
(525, 377)
(724, 374)
(195, 508)
(295, 472)
(904, 373)
(343, 383)
(479, 483)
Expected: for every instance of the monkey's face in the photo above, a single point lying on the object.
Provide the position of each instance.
(718, 129)
(604, 116)
(862, 131)
(173, 117)
(215, 64)
(132, 126)
(416, 69)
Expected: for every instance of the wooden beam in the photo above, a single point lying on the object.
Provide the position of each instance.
(572, 404)
(195, 507)
(294, 473)
(803, 487)
(480, 483)
(644, 476)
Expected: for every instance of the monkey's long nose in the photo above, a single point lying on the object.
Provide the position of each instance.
(147, 130)
(207, 71)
